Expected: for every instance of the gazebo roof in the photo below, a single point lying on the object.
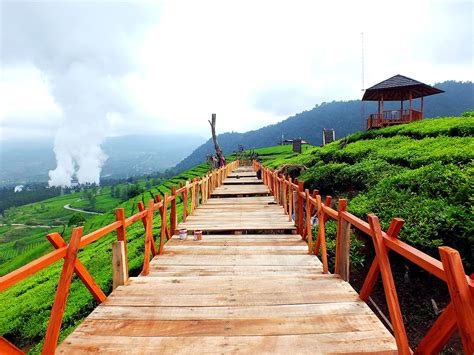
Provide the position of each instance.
(398, 88)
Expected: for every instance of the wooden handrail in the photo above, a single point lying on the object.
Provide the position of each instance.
(461, 286)
(68, 252)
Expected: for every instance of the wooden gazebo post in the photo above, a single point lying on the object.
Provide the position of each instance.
(411, 105)
(422, 114)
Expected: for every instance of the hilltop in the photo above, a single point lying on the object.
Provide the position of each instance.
(343, 116)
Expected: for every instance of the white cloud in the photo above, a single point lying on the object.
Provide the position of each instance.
(27, 109)
(251, 62)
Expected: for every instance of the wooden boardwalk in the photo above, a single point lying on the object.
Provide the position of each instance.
(234, 293)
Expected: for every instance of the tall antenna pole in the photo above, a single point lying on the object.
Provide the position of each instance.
(362, 111)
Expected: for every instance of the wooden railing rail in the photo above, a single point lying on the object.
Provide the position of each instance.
(300, 204)
(200, 190)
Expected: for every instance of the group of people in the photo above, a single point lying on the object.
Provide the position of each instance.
(216, 162)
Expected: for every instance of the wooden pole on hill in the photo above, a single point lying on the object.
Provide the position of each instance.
(214, 138)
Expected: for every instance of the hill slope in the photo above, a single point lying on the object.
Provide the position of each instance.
(421, 172)
(344, 116)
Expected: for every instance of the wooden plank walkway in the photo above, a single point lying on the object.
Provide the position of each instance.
(248, 293)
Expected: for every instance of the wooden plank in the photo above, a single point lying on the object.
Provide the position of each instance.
(350, 342)
(318, 324)
(249, 260)
(237, 312)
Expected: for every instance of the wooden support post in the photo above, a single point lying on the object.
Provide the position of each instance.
(196, 193)
(164, 225)
(411, 106)
(121, 231)
(309, 232)
(389, 287)
(8, 348)
(439, 333)
(185, 201)
(167, 230)
(281, 190)
(193, 195)
(369, 283)
(300, 207)
(343, 242)
(173, 216)
(62, 292)
(141, 208)
(148, 238)
(203, 194)
(422, 108)
(461, 296)
(58, 242)
(208, 187)
(119, 264)
(290, 200)
(285, 195)
(321, 240)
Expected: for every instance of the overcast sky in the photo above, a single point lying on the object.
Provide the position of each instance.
(144, 67)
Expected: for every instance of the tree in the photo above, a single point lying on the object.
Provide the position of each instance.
(76, 219)
(219, 154)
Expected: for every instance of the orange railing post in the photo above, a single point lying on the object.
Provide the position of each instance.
(121, 231)
(321, 239)
(173, 216)
(164, 225)
(300, 207)
(148, 238)
(343, 241)
(141, 208)
(389, 286)
(461, 295)
(369, 283)
(440, 333)
(290, 200)
(309, 232)
(58, 242)
(62, 293)
(8, 348)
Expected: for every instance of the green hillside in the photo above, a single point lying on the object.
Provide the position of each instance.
(422, 172)
(25, 307)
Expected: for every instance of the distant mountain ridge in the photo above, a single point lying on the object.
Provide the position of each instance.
(343, 116)
(23, 162)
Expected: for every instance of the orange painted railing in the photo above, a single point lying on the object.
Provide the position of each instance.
(197, 192)
(460, 312)
(392, 117)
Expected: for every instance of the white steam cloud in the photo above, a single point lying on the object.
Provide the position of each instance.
(84, 49)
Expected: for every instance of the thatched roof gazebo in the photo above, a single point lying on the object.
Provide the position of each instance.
(397, 88)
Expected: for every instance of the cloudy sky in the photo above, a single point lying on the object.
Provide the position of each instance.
(102, 68)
